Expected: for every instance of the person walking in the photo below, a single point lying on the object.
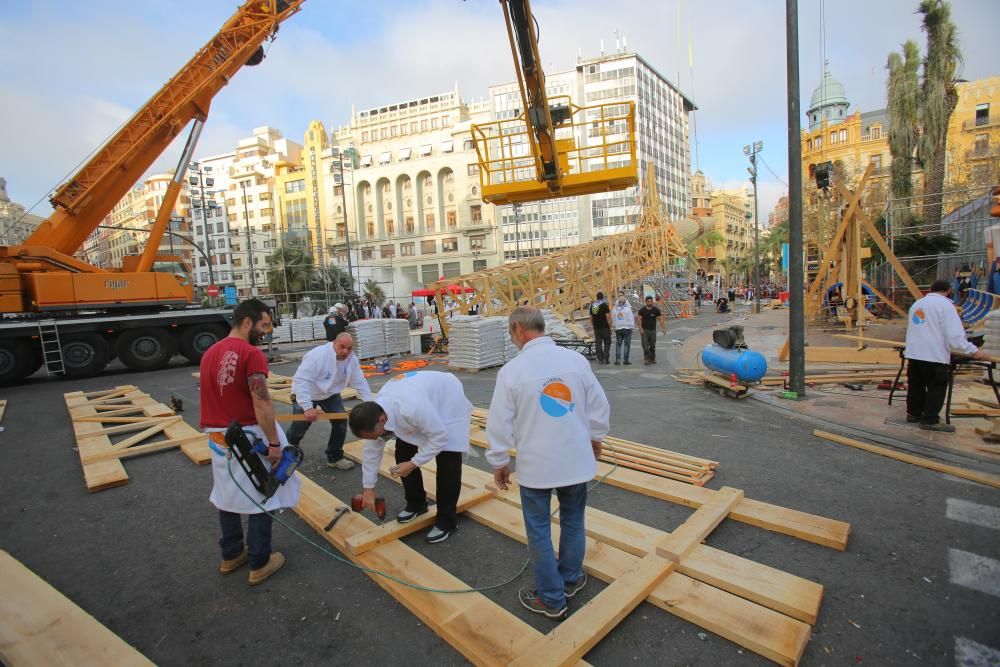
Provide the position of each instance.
(429, 416)
(335, 322)
(933, 330)
(549, 405)
(323, 373)
(623, 320)
(234, 389)
(646, 317)
(600, 319)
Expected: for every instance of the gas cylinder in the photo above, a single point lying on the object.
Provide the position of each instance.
(746, 365)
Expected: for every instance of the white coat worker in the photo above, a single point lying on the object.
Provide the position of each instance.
(324, 372)
(429, 416)
(549, 405)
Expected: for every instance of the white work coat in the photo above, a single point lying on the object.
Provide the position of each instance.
(320, 375)
(427, 409)
(622, 317)
(228, 497)
(934, 329)
(549, 405)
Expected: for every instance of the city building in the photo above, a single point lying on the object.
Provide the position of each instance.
(412, 204)
(662, 137)
(779, 215)
(15, 223)
(973, 154)
(212, 261)
(701, 195)
(729, 209)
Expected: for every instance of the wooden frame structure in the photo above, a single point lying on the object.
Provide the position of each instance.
(280, 388)
(565, 280)
(97, 415)
(758, 607)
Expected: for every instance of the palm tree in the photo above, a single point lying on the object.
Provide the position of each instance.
(705, 241)
(903, 111)
(730, 266)
(291, 275)
(372, 290)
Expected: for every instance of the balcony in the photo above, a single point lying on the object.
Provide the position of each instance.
(976, 124)
(983, 153)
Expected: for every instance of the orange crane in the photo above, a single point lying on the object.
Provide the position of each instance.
(74, 317)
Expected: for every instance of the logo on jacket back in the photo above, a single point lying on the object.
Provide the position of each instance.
(918, 316)
(403, 376)
(556, 399)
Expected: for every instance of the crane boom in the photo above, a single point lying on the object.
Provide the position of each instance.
(84, 200)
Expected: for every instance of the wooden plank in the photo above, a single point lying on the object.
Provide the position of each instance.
(3, 408)
(976, 412)
(360, 543)
(41, 626)
(134, 426)
(810, 527)
(482, 631)
(981, 477)
(322, 416)
(850, 355)
(572, 638)
(867, 339)
(142, 449)
(691, 533)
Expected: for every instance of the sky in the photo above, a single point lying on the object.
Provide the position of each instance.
(75, 71)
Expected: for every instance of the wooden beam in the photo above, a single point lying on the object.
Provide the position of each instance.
(322, 416)
(571, 639)
(41, 626)
(866, 339)
(886, 300)
(691, 533)
(981, 477)
(134, 426)
(850, 355)
(3, 408)
(976, 412)
(360, 543)
(140, 450)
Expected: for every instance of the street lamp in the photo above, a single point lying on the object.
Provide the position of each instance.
(343, 204)
(246, 221)
(751, 152)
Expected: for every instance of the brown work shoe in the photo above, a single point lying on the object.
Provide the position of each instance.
(231, 565)
(270, 567)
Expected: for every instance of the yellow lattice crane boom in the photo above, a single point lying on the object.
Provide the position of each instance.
(554, 148)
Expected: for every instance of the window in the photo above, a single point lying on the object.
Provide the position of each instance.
(413, 127)
(843, 136)
(404, 154)
(473, 170)
(476, 213)
(468, 145)
(447, 146)
(410, 227)
(477, 242)
(876, 161)
(449, 244)
(428, 247)
(293, 186)
(429, 273)
(367, 253)
(371, 229)
(451, 269)
(364, 136)
(388, 251)
(478, 264)
(408, 249)
(819, 142)
(833, 138)
(876, 133)
(809, 144)
(366, 160)
(385, 158)
(265, 212)
(429, 222)
(982, 114)
(982, 143)
(264, 196)
(425, 149)
(452, 219)
(390, 227)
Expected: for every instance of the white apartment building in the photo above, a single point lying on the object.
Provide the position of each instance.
(250, 206)
(662, 137)
(209, 181)
(414, 205)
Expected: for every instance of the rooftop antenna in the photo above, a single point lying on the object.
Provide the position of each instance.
(618, 46)
(602, 47)
(624, 44)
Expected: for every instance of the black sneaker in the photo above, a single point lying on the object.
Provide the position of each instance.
(532, 602)
(406, 516)
(910, 419)
(436, 535)
(571, 589)
(940, 428)
(627, 363)
(617, 363)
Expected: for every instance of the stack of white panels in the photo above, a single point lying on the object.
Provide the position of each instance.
(319, 331)
(369, 338)
(476, 342)
(302, 329)
(991, 339)
(397, 336)
(282, 334)
(555, 327)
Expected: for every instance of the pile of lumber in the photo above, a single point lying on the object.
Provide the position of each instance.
(280, 388)
(635, 455)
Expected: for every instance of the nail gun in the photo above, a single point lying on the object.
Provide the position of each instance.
(245, 452)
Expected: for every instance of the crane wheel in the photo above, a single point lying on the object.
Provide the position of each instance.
(17, 360)
(195, 340)
(85, 354)
(145, 349)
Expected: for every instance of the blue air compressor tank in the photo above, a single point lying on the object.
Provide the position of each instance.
(749, 366)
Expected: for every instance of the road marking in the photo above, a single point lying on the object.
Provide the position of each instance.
(973, 654)
(951, 478)
(653, 376)
(972, 571)
(986, 516)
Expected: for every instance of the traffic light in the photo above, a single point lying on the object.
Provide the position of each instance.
(823, 173)
(995, 204)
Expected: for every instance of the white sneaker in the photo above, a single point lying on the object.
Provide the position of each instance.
(437, 535)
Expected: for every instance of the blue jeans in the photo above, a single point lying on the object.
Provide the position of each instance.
(552, 575)
(338, 429)
(623, 338)
(258, 537)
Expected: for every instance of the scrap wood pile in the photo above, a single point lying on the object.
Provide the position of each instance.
(637, 456)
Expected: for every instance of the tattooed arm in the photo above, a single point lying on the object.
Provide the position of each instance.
(263, 408)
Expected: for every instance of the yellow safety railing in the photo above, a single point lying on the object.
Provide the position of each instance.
(595, 146)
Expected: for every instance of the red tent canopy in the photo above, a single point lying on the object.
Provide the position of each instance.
(454, 289)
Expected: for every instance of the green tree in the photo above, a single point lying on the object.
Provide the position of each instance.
(903, 111)
(291, 276)
(373, 290)
(335, 282)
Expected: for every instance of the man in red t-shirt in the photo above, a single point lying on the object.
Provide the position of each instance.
(234, 387)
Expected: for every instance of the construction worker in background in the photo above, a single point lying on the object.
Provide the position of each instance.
(646, 318)
(600, 319)
(549, 405)
(335, 322)
(933, 330)
(324, 372)
(234, 388)
(429, 416)
(623, 321)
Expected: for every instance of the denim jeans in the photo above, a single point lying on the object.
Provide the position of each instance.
(258, 537)
(623, 338)
(338, 429)
(552, 575)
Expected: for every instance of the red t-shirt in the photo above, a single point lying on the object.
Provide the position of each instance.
(225, 395)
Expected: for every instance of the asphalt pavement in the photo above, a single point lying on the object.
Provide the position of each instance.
(918, 584)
